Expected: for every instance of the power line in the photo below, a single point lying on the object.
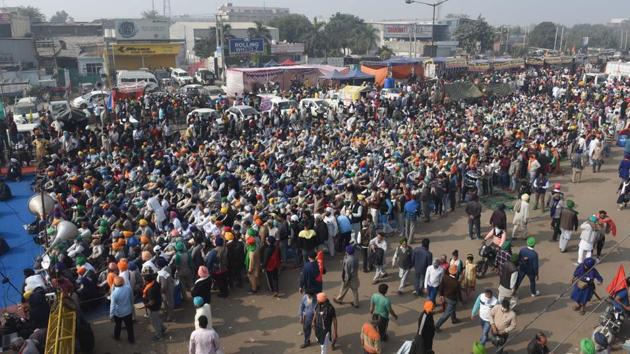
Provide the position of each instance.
(558, 297)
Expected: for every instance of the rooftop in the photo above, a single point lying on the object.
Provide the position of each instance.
(207, 24)
(70, 47)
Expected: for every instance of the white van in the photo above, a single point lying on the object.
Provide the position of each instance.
(270, 102)
(134, 76)
(181, 76)
(318, 106)
(26, 110)
(595, 78)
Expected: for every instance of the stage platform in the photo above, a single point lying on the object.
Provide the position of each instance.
(14, 215)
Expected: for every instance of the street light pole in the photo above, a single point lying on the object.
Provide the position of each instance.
(433, 5)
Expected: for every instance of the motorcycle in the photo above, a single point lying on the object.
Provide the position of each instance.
(610, 322)
(488, 255)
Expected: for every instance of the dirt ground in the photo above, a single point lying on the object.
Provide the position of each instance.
(262, 324)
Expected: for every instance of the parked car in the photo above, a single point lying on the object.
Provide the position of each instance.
(214, 92)
(208, 114)
(271, 102)
(57, 108)
(242, 112)
(191, 89)
(318, 106)
(334, 99)
(181, 77)
(134, 76)
(390, 93)
(205, 77)
(26, 110)
(91, 99)
(163, 77)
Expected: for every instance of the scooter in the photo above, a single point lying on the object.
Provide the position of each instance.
(610, 322)
(488, 256)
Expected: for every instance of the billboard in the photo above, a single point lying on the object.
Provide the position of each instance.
(287, 48)
(146, 49)
(405, 30)
(246, 46)
(141, 30)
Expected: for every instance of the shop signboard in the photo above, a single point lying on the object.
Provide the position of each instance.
(141, 30)
(246, 46)
(146, 49)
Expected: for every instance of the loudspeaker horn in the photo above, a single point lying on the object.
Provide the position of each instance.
(37, 207)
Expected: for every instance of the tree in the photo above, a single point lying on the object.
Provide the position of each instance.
(384, 52)
(33, 13)
(543, 35)
(260, 31)
(341, 31)
(61, 17)
(292, 28)
(471, 32)
(152, 15)
(599, 36)
(315, 41)
(365, 38)
(205, 47)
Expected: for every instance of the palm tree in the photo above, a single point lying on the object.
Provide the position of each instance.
(260, 31)
(365, 38)
(315, 40)
(227, 31)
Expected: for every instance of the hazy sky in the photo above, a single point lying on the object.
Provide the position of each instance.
(496, 11)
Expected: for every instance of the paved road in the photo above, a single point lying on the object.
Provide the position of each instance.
(261, 324)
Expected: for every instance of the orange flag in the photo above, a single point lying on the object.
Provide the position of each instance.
(619, 282)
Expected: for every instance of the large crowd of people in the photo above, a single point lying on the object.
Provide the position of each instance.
(166, 212)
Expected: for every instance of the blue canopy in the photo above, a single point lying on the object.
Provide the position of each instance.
(393, 61)
(334, 75)
(270, 63)
(358, 75)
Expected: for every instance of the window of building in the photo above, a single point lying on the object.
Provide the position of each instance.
(93, 68)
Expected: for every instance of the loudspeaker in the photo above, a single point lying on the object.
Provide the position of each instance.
(4, 246)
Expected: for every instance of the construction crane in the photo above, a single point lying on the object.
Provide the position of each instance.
(62, 326)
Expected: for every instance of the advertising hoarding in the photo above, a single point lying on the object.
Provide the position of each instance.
(141, 30)
(246, 46)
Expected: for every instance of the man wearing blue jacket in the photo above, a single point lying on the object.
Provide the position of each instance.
(624, 167)
(421, 259)
(528, 266)
(309, 283)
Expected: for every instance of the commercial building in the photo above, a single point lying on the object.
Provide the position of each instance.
(191, 31)
(13, 25)
(71, 46)
(16, 46)
(131, 44)
(70, 29)
(18, 60)
(231, 13)
(410, 37)
(17, 53)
